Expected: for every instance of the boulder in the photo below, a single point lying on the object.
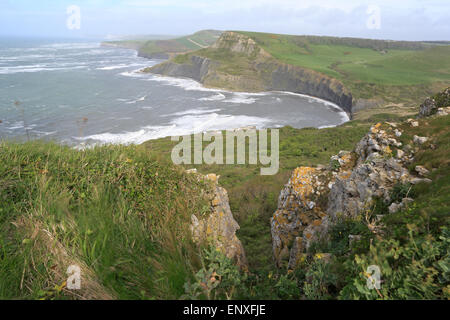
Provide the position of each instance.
(439, 105)
(428, 108)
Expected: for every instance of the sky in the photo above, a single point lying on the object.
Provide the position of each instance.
(379, 19)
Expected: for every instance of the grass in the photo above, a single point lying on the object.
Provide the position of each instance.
(115, 212)
(254, 198)
(352, 63)
(122, 215)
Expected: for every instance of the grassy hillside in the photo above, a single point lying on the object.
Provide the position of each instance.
(183, 44)
(253, 198)
(412, 250)
(383, 76)
(122, 215)
(361, 60)
(114, 211)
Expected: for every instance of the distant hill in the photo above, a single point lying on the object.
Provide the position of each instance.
(164, 48)
(374, 73)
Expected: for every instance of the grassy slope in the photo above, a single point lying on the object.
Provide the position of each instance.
(114, 211)
(350, 63)
(119, 212)
(253, 200)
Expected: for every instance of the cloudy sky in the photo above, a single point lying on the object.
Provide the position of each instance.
(385, 19)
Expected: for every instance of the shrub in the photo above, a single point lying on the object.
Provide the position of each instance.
(418, 269)
(219, 278)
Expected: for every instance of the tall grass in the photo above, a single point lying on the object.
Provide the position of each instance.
(114, 210)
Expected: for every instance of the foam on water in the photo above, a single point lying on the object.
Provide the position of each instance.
(192, 112)
(122, 66)
(137, 100)
(216, 97)
(186, 125)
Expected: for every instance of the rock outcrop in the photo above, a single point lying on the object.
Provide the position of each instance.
(218, 228)
(439, 104)
(315, 198)
(259, 71)
(301, 215)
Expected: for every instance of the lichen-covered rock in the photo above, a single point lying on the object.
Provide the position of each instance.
(315, 198)
(297, 209)
(375, 174)
(301, 218)
(421, 170)
(219, 227)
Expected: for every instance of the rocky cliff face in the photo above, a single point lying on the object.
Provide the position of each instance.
(315, 198)
(197, 68)
(219, 227)
(259, 71)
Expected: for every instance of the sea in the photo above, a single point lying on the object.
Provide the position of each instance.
(79, 93)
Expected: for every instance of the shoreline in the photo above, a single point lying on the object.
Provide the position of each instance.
(348, 114)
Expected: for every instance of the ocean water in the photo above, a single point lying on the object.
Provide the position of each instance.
(79, 93)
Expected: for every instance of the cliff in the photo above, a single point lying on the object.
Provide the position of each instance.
(236, 62)
(219, 227)
(350, 188)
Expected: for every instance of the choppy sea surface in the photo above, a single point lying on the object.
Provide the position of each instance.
(79, 93)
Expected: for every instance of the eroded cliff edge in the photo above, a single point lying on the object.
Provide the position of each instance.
(236, 62)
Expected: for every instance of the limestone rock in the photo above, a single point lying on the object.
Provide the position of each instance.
(420, 140)
(443, 111)
(298, 209)
(420, 180)
(438, 105)
(352, 239)
(314, 199)
(219, 227)
(428, 108)
(395, 207)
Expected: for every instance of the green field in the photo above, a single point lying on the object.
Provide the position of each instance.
(404, 64)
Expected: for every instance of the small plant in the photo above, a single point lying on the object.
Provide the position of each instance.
(417, 269)
(319, 279)
(335, 165)
(219, 278)
(287, 287)
(401, 191)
